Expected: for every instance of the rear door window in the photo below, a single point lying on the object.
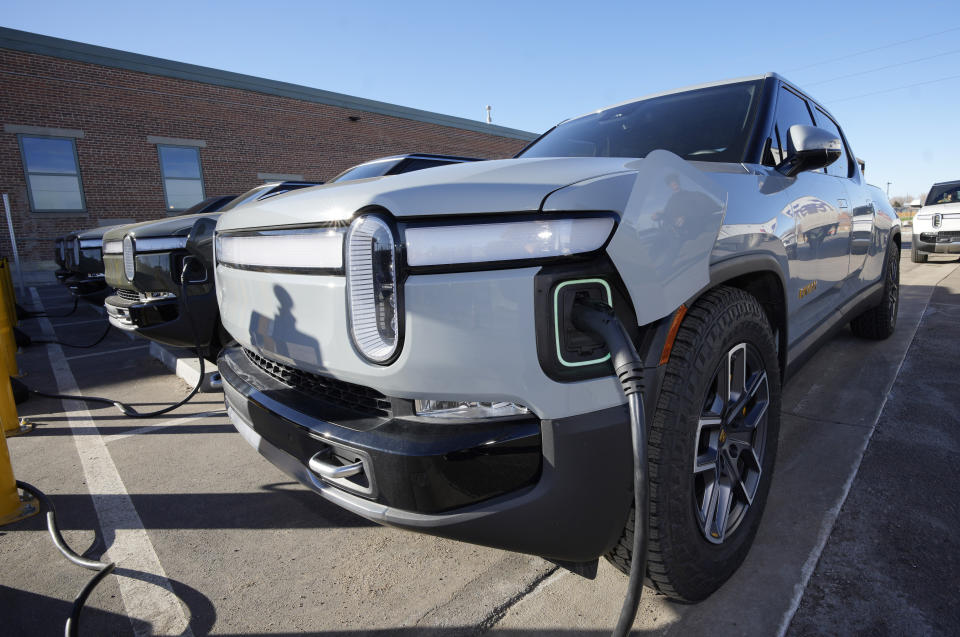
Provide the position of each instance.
(842, 167)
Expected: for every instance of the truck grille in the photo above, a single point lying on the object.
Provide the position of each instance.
(356, 397)
(948, 236)
(128, 295)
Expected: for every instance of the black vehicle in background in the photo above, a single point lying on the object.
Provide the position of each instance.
(143, 264)
(79, 255)
(83, 264)
(60, 257)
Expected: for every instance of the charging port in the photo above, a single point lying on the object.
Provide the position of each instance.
(574, 347)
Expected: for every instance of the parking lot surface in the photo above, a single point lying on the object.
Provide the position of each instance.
(209, 538)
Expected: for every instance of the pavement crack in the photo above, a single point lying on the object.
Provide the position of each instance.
(827, 421)
(500, 611)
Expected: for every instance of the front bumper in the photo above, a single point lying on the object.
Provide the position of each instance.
(558, 488)
(937, 242)
(165, 320)
(90, 288)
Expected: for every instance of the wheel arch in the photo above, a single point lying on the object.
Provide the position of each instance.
(761, 276)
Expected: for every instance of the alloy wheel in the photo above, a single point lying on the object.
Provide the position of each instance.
(730, 442)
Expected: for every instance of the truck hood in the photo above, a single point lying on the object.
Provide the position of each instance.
(95, 233)
(952, 209)
(507, 185)
(172, 227)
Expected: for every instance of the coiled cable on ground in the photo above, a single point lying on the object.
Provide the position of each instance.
(102, 569)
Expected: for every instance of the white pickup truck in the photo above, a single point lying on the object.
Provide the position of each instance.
(936, 226)
(408, 347)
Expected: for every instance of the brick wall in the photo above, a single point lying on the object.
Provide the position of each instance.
(245, 133)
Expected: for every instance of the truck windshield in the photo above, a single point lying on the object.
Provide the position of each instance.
(943, 193)
(708, 124)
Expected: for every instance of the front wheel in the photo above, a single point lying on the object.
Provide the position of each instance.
(713, 442)
(915, 255)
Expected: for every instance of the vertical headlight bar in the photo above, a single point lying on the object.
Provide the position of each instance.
(129, 265)
(371, 270)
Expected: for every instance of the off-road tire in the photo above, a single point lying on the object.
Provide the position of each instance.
(915, 255)
(880, 321)
(681, 563)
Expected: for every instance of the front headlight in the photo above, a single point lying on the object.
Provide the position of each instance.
(372, 288)
(129, 265)
(161, 244)
(297, 249)
(468, 409)
(90, 243)
(506, 241)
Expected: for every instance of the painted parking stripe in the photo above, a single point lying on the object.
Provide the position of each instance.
(163, 425)
(70, 323)
(107, 351)
(152, 605)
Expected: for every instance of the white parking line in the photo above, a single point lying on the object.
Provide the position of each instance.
(152, 606)
(108, 351)
(163, 425)
(69, 323)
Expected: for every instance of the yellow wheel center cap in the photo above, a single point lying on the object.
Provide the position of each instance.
(723, 435)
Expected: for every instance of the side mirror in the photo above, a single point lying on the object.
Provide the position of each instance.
(809, 148)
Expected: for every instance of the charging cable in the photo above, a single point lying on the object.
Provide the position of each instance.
(598, 319)
(127, 410)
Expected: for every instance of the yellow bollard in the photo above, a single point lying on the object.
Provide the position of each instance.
(8, 342)
(9, 422)
(11, 295)
(13, 506)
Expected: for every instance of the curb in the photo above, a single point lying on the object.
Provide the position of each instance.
(184, 364)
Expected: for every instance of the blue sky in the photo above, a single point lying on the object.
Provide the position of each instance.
(537, 62)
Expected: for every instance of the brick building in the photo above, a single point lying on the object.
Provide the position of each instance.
(94, 136)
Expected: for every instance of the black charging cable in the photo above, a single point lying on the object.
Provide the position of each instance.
(24, 313)
(99, 340)
(598, 319)
(102, 569)
(127, 410)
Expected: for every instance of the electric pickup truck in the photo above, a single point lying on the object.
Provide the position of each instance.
(936, 226)
(82, 271)
(407, 348)
(144, 263)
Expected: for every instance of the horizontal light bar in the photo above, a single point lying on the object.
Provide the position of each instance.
(113, 247)
(468, 410)
(159, 244)
(91, 243)
(508, 241)
(310, 248)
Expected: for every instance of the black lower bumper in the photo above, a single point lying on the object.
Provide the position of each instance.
(166, 321)
(557, 488)
(92, 289)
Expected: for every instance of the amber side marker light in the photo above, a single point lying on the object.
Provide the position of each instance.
(672, 334)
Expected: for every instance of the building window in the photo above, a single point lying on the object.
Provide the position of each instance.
(53, 176)
(182, 178)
